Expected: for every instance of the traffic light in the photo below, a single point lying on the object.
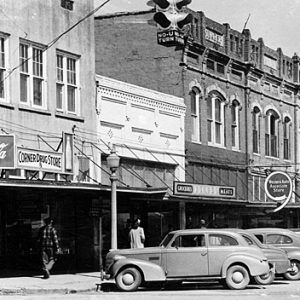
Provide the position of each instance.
(171, 14)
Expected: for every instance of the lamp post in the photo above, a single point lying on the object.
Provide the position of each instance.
(113, 161)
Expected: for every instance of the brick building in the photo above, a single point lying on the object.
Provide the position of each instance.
(241, 117)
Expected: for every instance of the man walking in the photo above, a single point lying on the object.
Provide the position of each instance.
(49, 246)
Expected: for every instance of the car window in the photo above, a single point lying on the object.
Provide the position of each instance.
(193, 240)
(278, 239)
(260, 237)
(248, 240)
(221, 240)
(166, 240)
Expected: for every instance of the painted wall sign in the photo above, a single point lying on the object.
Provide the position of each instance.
(278, 187)
(39, 160)
(214, 37)
(7, 151)
(192, 189)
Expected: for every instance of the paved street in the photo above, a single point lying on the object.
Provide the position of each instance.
(281, 289)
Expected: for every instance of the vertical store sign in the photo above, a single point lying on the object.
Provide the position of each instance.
(68, 150)
(7, 151)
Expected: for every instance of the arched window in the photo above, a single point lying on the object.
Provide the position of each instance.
(271, 133)
(215, 119)
(195, 114)
(286, 138)
(256, 130)
(235, 120)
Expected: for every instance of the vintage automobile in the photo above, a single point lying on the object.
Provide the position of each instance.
(190, 254)
(278, 259)
(283, 239)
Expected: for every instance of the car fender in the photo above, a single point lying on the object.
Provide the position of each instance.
(150, 271)
(294, 255)
(256, 266)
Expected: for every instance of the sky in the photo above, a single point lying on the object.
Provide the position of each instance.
(276, 21)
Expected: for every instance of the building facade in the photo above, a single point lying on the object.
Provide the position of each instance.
(241, 117)
(47, 104)
(147, 129)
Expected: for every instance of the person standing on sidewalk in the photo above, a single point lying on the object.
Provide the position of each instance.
(49, 247)
(136, 235)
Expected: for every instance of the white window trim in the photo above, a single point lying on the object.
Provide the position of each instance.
(6, 98)
(30, 96)
(196, 129)
(237, 128)
(257, 116)
(213, 129)
(64, 84)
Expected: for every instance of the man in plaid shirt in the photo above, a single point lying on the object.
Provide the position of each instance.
(49, 246)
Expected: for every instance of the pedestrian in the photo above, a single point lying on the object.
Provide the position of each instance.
(202, 224)
(49, 247)
(136, 235)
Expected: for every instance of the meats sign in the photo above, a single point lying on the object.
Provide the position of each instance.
(7, 151)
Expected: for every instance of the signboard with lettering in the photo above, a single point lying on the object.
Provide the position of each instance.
(7, 151)
(39, 160)
(278, 187)
(205, 190)
(170, 38)
(214, 37)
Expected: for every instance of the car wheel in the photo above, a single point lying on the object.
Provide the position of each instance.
(237, 277)
(295, 274)
(129, 279)
(265, 279)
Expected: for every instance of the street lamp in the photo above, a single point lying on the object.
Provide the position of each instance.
(113, 162)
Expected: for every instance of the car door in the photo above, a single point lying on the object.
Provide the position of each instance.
(187, 256)
(220, 246)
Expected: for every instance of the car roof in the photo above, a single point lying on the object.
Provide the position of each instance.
(270, 229)
(203, 230)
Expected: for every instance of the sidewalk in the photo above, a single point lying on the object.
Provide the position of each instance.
(62, 284)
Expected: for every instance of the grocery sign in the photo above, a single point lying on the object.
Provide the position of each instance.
(205, 190)
(278, 187)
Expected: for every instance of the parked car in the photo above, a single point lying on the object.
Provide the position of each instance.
(190, 254)
(278, 259)
(284, 239)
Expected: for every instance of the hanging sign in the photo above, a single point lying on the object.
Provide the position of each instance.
(7, 151)
(39, 160)
(278, 187)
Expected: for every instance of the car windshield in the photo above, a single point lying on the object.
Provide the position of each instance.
(166, 240)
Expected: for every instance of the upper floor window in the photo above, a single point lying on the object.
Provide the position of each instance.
(271, 134)
(235, 119)
(195, 114)
(286, 138)
(256, 129)
(67, 90)
(215, 119)
(3, 68)
(32, 79)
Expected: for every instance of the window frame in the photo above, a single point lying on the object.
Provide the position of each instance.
(215, 119)
(287, 124)
(67, 81)
(272, 134)
(256, 113)
(235, 125)
(33, 67)
(195, 115)
(5, 59)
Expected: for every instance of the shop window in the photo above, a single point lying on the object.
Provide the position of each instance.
(195, 114)
(235, 119)
(287, 124)
(67, 86)
(271, 133)
(84, 169)
(32, 80)
(256, 129)
(215, 120)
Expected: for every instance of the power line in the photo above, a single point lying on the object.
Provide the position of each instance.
(49, 45)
